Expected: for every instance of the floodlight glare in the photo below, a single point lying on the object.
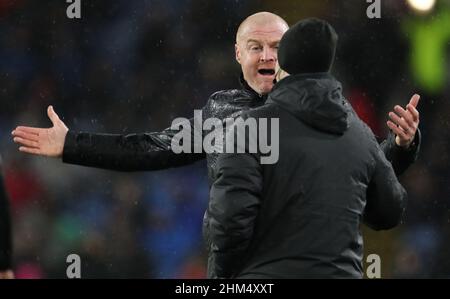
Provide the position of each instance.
(422, 5)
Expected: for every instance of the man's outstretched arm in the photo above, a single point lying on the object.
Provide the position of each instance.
(133, 152)
(402, 146)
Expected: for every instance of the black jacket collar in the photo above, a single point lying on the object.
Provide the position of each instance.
(247, 87)
(314, 98)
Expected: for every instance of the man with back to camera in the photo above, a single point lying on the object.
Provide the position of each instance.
(300, 217)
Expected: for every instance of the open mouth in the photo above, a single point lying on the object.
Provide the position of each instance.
(266, 72)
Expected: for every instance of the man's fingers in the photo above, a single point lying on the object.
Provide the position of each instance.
(404, 122)
(414, 100)
(52, 115)
(29, 150)
(26, 142)
(30, 130)
(413, 111)
(25, 135)
(397, 131)
(406, 115)
(399, 121)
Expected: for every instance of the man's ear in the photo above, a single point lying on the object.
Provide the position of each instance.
(238, 53)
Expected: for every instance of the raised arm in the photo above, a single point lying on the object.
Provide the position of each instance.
(402, 146)
(132, 152)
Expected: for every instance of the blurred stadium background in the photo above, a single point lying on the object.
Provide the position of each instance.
(133, 66)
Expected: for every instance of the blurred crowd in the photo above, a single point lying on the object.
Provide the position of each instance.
(134, 66)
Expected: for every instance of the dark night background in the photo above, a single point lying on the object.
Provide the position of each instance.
(133, 66)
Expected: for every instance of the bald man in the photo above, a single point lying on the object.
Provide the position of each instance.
(256, 48)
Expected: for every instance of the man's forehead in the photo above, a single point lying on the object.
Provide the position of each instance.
(258, 30)
(261, 40)
(262, 34)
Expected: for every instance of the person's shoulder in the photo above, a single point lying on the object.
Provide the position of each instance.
(364, 127)
(225, 100)
(228, 95)
(266, 110)
(364, 135)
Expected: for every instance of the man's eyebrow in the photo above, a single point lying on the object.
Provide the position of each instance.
(273, 43)
(253, 41)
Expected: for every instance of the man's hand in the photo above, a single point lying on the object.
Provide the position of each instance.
(40, 141)
(7, 274)
(404, 123)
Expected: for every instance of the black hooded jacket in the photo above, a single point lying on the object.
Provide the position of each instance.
(301, 216)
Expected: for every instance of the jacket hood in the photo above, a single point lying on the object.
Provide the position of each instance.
(316, 99)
